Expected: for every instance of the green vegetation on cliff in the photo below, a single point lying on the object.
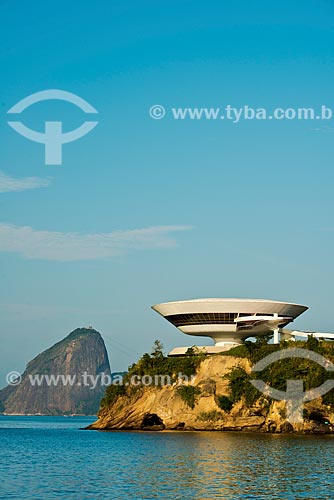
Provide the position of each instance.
(189, 394)
(276, 374)
(155, 364)
(221, 395)
(239, 377)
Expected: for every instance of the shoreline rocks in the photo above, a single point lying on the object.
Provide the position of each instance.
(163, 409)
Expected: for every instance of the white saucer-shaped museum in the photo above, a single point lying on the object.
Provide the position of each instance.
(228, 321)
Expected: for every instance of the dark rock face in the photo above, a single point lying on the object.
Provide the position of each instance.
(286, 427)
(152, 422)
(74, 374)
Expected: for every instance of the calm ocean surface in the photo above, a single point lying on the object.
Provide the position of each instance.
(48, 458)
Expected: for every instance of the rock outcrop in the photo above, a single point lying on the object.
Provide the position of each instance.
(163, 408)
(65, 379)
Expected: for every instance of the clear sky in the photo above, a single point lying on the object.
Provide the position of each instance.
(141, 210)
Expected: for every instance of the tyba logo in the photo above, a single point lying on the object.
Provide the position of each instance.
(294, 395)
(53, 137)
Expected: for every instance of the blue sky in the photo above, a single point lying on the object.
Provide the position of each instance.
(182, 209)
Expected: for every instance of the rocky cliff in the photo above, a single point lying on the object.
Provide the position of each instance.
(61, 379)
(201, 408)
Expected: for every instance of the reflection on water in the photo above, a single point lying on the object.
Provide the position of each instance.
(49, 458)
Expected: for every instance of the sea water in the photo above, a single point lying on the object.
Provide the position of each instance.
(48, 458)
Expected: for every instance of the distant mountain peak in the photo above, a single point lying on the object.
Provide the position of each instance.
(81, 355)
